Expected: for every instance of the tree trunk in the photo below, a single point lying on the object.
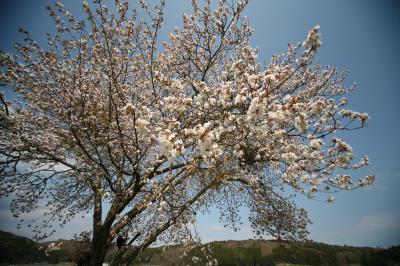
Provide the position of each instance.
(98, 249)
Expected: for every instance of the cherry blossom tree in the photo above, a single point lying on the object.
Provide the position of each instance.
(143, 134)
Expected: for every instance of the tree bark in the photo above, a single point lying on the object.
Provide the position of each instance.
(98, 249)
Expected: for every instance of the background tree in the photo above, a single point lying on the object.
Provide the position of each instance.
(144, 135)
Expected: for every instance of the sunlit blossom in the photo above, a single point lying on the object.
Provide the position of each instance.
(158, 131)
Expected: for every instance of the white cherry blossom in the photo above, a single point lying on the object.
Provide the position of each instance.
(111, 116)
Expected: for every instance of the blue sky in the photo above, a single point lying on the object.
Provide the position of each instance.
(359, 35)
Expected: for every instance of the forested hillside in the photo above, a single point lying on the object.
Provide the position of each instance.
(17, 250)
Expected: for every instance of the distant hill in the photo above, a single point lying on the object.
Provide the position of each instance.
(17, 250)
(270, 252)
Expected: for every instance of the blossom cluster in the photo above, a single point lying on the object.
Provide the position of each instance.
(160, 131)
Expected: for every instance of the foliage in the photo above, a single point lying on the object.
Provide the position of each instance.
(384, 257)
(306, 256)
(249, 252)
(16, 249)
(58, 256)
(250, 255)
(108, 116)
(227, 253)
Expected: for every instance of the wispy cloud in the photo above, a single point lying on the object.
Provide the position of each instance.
(378, 222)
(212, 232)
(377, 229)
(36, 217)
